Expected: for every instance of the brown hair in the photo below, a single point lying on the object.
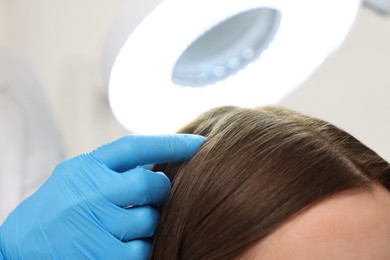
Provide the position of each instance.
(257, 169)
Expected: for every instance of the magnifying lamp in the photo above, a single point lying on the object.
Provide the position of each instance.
(183, 57)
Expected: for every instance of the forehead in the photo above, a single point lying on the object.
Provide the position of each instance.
(351, 225)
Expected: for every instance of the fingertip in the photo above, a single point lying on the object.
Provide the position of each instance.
(137, 222)
(165, 188)
(148, 217)
(148, 187)
(139, 249)
(193, 142)
(139, 187)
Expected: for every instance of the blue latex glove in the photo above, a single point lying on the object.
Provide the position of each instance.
(80, 211)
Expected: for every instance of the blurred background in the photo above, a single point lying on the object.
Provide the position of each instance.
(63, 43)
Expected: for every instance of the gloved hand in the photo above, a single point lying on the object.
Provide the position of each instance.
(82, 211)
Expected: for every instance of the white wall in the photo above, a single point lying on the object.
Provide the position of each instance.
(352, 89)
(2, 22)
(63, 41)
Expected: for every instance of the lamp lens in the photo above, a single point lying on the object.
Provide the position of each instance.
(226, 48)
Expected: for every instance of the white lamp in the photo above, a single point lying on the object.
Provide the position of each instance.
(187, 56)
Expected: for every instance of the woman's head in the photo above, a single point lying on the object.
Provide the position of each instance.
(257, 170)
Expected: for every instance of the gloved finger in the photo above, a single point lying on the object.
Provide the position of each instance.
(139, 249)
(136, 187)
(129, 224)
(136, 150)
(108, 247)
